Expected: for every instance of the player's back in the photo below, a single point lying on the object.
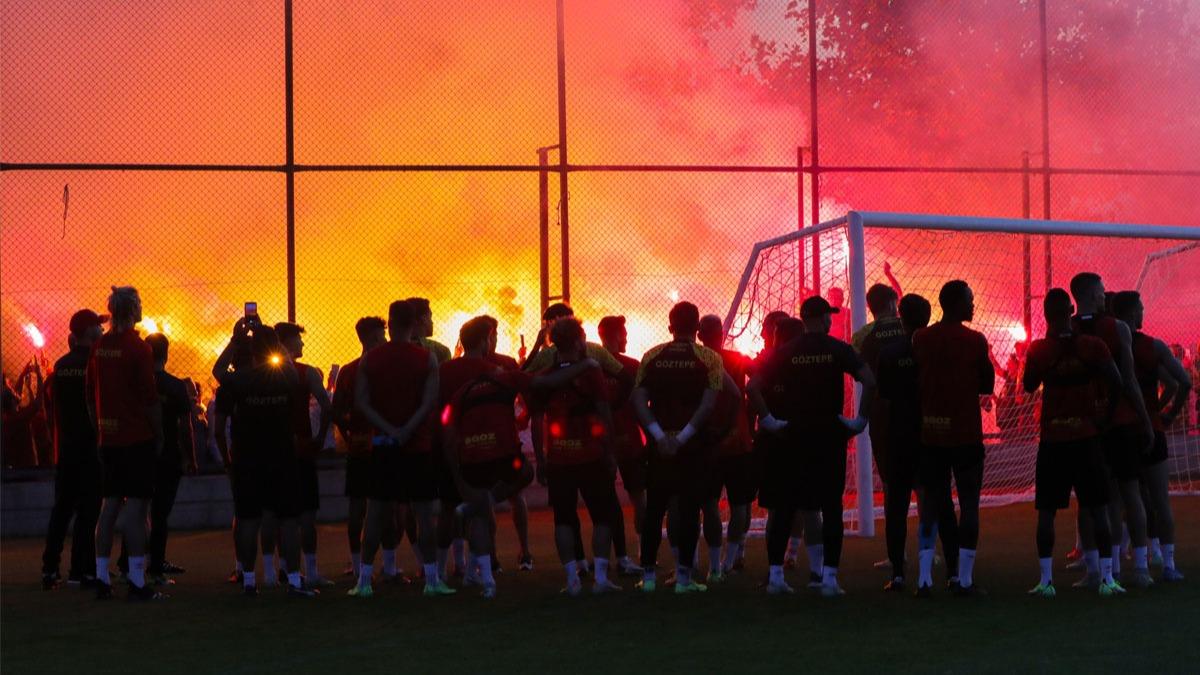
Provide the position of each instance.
(811, 370)
(954, 370)
(262, 401)
(884, 332)
(675, 376)
(122, 375)
(1146, 362)
(575, 432)
(899, 384)
(396, 374)
(1106, 328)
(1069, 369)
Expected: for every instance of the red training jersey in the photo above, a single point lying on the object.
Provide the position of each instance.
(396, 375)
(1146, 361)
(574, 430)
(729, 423)
(1104, 327)
(1068, 367)
(120, 377)
(954, 371)
(354, 426)
(627, 435)
(477, 398)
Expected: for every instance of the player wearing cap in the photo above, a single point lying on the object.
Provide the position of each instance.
(676, 390)
(1071, 369)
(308, 445)
(125, 406)
(1154, 363)
(516, 502)
(735, 469)
(954, 369)
(900, 395)
(175, 458)
(259, 397)
(77, 474)
(628, 444)
(1130, 435)
(396, 391)
(372, 332)
(809, 472)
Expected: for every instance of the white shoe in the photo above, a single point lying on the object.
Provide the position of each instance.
(832, 590)
(606, 586)
(780, 588)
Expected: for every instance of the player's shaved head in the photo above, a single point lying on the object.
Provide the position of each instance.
(712, 331)
(915, 311)
(1056, 306)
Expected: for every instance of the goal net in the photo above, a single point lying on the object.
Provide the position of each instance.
(1009, 264)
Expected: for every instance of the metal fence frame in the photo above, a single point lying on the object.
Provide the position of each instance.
(563, 168)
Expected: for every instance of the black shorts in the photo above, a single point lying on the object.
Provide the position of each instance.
(1122, 453)
(903, 462)
(1066, 465)
(358, 476)
(690, 475)
(271, 486)
(738, 475)
(807, 474)
(310, 487)
(403, 476)
(633, 474)
(937, 464)
(128, 470)
(1158, 451)
(567, 482)
(484, 475)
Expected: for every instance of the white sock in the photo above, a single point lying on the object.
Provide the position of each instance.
(102, 570)
(816, 558)
(1156, 546)
(1047, 565)
(966, 565)
(775, 575)
(485, 570)
(269, 565)
(925, 558)
(137, 570)
(714, 559)
(472, 570)
(829, 576)
(731, 555)
(248, 579)
(1106, 570)
(1116, 558)
(431, 574)
(460, 560)
(294, 579)
(365, 572)
(572, 572)
(389, 562)
(310, 566)
(601, 571)
(1139, 558)
(356, 559)
(1168, 554)
(792, 549)
(1091, 560)
(443, 554)
(237, 565)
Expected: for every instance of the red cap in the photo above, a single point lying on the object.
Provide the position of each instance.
(85, 319)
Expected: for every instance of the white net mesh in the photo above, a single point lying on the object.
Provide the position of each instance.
(1164, 270)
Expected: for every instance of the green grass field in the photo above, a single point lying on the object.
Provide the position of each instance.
(207, 626)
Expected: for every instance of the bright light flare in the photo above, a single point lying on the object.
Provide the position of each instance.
(152, 326)
(1017, 331)
(276, 359)
(35, 336)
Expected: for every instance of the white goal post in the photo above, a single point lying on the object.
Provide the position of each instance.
(1010, 263)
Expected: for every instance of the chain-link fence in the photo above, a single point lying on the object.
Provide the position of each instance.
(323, 159)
